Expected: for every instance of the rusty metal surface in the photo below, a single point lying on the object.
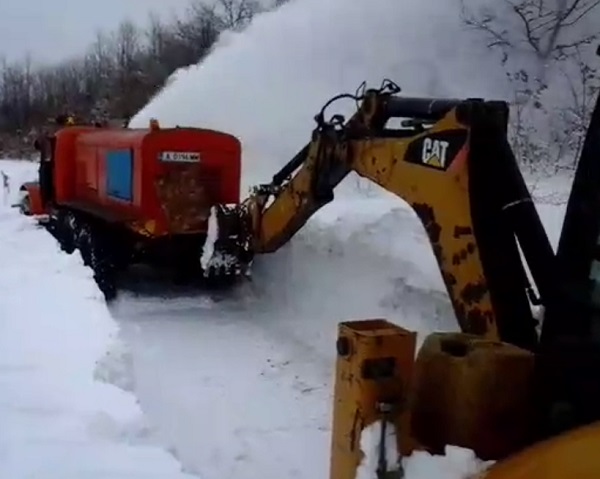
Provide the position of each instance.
(468, 295)
(373, 375)
(185, 196)
(473, 393)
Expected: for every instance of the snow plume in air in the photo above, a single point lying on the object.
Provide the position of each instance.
(266, 83)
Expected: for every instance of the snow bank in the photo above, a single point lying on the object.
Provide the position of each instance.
(266, 84)
(58, 420)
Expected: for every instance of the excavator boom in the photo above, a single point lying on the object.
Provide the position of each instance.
(451, 162)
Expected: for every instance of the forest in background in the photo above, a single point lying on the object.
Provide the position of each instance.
(547, 49)
(117, 75)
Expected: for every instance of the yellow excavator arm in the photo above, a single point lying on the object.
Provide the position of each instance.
(497, 386)
(451, 162)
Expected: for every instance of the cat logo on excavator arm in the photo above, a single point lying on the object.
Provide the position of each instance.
(434, 153)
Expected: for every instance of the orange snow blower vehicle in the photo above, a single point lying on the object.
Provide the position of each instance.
(122, 196)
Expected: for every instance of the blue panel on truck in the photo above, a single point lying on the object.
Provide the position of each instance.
(119, 174)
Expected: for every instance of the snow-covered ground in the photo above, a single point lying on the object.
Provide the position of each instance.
(256, 368)
(233, 385)
(61, 418)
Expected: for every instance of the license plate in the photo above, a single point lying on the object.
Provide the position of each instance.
(179, 157)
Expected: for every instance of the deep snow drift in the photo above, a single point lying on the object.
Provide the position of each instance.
(60, 418)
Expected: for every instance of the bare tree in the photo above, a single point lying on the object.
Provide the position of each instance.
(198, 32)
(119, 72)
(550, 29)
(582, 84)
(546, 47)
(237, 14)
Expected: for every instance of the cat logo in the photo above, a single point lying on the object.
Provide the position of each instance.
(434, 153)
(437, 150)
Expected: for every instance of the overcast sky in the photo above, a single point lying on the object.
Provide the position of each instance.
(54, 29)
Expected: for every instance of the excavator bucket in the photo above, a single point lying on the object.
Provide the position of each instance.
(227, 251)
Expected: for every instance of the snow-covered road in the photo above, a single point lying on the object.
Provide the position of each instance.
(240, 386)
(234, 385)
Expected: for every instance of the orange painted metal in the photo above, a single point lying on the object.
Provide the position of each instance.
(34, 198)
(173, 196)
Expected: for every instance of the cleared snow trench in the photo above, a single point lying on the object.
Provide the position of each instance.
(59, 418)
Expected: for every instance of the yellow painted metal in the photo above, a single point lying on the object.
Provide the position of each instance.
(572, 455)
(440, 198)
(374, 365)
(473, 393)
